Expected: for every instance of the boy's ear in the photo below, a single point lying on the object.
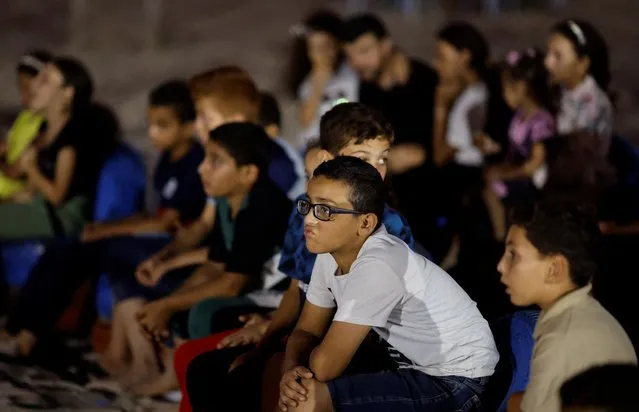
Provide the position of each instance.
(386, 45)
(188, 129)
(272, 130)
(250, 173)
(324, 156)
(368, 224)
(558, 270)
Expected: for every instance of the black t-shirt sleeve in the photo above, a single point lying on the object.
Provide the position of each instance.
(217, 247)
(179, 187)
(259, 234)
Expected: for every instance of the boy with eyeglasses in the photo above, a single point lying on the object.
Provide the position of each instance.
(440, 350)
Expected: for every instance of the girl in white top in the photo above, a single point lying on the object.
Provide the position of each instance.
(578, 62)
(461, 100)
(461, 96)
(319, 77)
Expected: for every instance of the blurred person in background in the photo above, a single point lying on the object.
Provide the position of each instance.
(318, 76)
(26, 126)
(528, 92)
(62, 166)
(578, 60)
(402, 89)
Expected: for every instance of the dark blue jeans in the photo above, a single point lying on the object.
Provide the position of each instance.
(405, 390)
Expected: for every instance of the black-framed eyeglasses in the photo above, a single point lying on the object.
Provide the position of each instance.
(322, 212)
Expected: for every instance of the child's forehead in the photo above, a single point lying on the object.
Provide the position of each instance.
(372, 145)
(323, 189)
(164, 111)
(206, 103)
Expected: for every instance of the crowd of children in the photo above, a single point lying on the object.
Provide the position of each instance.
(355, 269)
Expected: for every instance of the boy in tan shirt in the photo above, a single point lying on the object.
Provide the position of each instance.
(549, 262)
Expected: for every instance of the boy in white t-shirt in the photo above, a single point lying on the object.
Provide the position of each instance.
(439, 349)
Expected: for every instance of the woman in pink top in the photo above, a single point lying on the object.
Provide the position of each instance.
(527, 91)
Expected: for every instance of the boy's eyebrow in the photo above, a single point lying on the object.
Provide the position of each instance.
(324, 200)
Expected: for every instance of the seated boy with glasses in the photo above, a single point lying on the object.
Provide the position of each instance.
(367, 284)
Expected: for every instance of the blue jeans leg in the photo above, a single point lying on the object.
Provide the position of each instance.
(405, 390)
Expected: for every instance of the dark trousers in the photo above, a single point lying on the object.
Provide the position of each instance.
(209, 384)
(63, 268)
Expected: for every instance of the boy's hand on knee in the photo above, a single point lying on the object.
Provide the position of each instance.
(291, 390)
(154, 319)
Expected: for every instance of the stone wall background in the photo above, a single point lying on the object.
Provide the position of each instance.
(198, 34)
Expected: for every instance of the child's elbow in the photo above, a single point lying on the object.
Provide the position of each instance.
(323, 368)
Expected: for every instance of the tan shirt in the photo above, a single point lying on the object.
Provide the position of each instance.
(573, 335)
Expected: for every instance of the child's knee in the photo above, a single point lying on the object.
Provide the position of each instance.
(318, 397)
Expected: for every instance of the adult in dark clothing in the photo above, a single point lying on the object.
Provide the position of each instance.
(403, 90)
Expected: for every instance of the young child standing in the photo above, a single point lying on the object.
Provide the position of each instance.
(369, 288)
(527, 91)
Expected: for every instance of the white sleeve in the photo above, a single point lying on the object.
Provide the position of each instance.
(304, 90)
(318, 292)
(372, 292)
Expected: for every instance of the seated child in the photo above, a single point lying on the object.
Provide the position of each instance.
(228, 94)
(527, 91)
(348, 129)
(222, 95)
(66, 265)
(25, 128)
(550, 262)
(271, 120)
(251, 218)
(370, 294)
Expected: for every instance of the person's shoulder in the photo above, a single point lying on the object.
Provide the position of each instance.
(383, 248)
(422, 69)
(268, 200)
(394, 221)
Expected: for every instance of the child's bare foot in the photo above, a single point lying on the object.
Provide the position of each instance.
(159, 386)
(113, 366)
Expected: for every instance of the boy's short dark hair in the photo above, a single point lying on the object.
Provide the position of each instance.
(176, 95)
(562, 226)
(352, 122)
(362, 24)
(367, 191)
(269, 111)
(247, 143)
(32, 62)
(606, 388)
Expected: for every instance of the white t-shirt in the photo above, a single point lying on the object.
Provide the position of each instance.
(464, 120)
(416, 307)
(343, 85)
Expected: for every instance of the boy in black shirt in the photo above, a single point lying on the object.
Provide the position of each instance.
(403, 89)
(251, 219)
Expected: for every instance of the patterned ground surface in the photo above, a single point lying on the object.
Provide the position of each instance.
(27, 388)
